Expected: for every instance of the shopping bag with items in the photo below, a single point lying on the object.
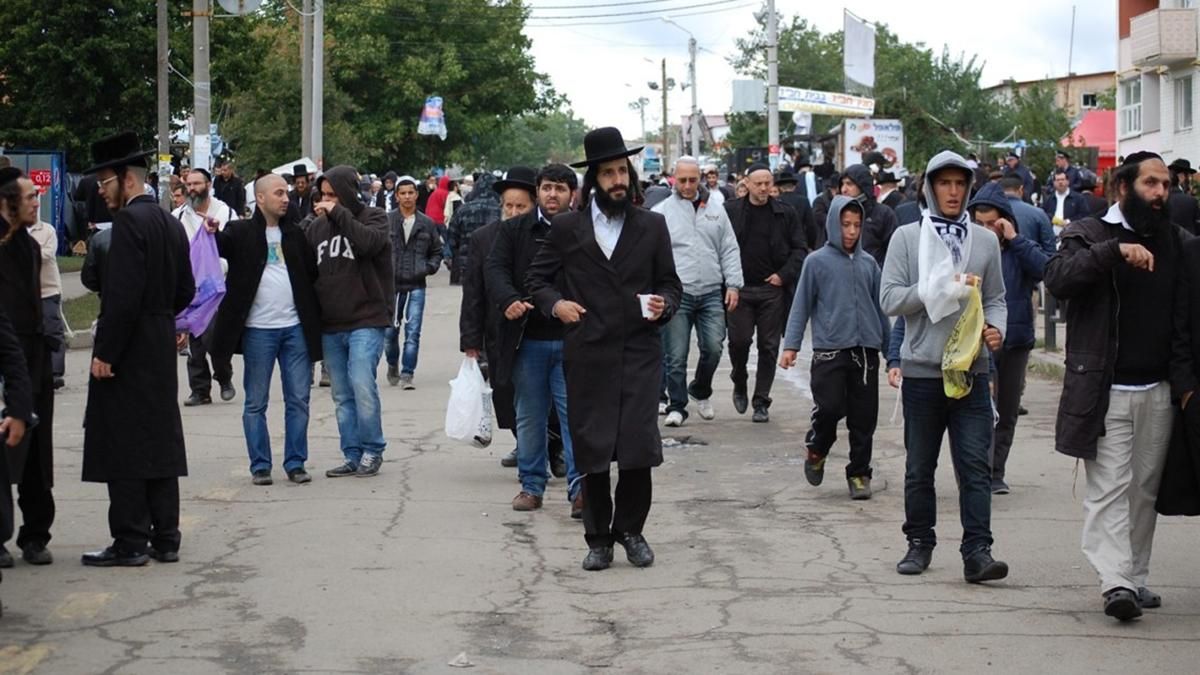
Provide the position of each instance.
(963, 347)
(210, 284)
(465, 412)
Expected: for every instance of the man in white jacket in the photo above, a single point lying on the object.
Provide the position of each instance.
(707, 260)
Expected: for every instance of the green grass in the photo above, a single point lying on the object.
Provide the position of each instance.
(1049, 371)
(70, 263)
(81, 312)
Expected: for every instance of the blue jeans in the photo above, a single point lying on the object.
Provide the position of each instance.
(410, 306)
(928, 414)
(352, 357)
(707, 313)
(538, 381)
(261, 348)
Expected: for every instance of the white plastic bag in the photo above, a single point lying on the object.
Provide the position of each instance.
(939, 290)
(465, 411)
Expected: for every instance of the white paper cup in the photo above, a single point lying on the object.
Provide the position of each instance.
(644, 299)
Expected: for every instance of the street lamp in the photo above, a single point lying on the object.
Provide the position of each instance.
(695, 131)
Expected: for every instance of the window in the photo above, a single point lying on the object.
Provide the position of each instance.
(1131, 106)
(1183, 103)
(1087, 101)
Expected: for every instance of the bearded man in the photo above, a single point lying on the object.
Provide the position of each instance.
(1124, 279)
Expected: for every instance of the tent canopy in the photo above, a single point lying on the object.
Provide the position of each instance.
(1097, 129)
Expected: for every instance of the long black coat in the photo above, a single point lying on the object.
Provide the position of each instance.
(243, 243)
(132, 429)
(21, 299)
(1179, 493)
(1184, 210)
(479, 320)
(613, 356)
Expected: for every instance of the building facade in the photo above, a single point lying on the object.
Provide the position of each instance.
(1075, 94)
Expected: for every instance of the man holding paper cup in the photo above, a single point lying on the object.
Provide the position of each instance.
(618, 287)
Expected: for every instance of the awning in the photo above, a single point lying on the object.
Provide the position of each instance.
(1097, 129)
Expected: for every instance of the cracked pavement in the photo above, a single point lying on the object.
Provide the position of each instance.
(756, 571)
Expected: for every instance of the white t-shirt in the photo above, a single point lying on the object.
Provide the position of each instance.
(274, 306)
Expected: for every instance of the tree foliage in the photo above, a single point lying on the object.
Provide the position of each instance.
(533, 140)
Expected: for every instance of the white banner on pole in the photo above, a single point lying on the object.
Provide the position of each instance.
(858, 54)
(793, 100)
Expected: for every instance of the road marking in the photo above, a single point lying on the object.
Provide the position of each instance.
(16, 660)
(82, 605)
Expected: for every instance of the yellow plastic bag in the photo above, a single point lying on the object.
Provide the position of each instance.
(963, 348)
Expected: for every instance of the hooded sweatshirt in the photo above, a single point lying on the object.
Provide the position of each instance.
(839, 292)
(924, 339)
(435, 208)
(879, 220)
(354, 259)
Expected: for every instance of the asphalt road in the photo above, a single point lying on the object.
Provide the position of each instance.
(756, 572)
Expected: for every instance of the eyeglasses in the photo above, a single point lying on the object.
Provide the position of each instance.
(106, 181)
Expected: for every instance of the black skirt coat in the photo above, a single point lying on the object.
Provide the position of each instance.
(21, 299)
(132, 428)
(612, 357)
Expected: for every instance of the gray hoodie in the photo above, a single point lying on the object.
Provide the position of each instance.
(839, 292)
(924, 340)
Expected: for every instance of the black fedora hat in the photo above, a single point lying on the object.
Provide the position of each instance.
(114, 152)
(786, 176)
(299, 170)
(521, 177)
(886, 177)
(604, 144)
(1181, 166)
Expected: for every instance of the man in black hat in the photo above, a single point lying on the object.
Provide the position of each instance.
(789, 194)
(228, 187)
(526, 361)
(1181, 205)
(1123, 276)
(133, 435)
(1062, 162)
(607, 271)
(301, 196)
(416, 254)
(888, 195)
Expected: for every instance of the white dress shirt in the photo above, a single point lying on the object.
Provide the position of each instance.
(608, 230)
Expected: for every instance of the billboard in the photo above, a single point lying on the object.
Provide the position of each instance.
(793, 100)
(882, 136)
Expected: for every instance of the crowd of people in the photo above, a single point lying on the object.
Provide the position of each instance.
(566, 275)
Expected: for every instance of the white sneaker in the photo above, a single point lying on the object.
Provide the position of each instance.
(674, 419)
(705, 409)
(662, 408)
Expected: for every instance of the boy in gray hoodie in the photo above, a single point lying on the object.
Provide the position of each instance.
(839, 291)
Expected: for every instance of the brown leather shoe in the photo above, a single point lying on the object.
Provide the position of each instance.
(526, 502)
(577, 506)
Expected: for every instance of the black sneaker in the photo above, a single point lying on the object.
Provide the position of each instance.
(393, 375)
(262, 477)
(814, 468)
(1021, 411)
(598, 558)
(510, 460)
(558, 464)
(36, 554)
(342, 470)
(761, 415)
(860, 487)
(980, 566)
(299, 476)
(59, 383)
(1122, 604)
(740, 400)
(369, 465)
(228, 392)
(197, 399)
(917, 559)
(999, 487)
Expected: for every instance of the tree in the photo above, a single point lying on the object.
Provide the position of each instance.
(746, 130)
(534, 140)
(1041, 124)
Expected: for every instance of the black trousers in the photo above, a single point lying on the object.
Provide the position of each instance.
(35, 499)
(759, 310)
(845, 384)
(199, 378)
(1010, 384)
(602, 524)
(144, 512)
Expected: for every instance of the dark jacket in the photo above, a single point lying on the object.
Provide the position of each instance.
(1075, 207)
(1184, 210)
(132, 428)
(301, 203)
(908, 212)
(21, 300)
(18, 389)
(893, 200)
(232, 192)
(820, 209)
(1082, 273)
(879, 223)
(613, 357)
(416, 254)
(92, 273)
(480, 207)
(813, 231)
(1179, 492)
(787, 239)
(479, 320)
(354, 259)
(1023, 263)
(1074, 180)
(386, 197)
(243, 243)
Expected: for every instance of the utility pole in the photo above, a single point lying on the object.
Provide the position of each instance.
(1071, 44)
(202, 88)
(164, 108)
(772, 80)
(640, 106)
(318, 85)
(695, 110)
(306, 76)
(666, 125)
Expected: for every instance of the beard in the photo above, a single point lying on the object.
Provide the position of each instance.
(612, 206)
(1143, 216)
(197, 199)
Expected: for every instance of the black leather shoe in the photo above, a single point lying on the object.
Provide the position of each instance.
(164, 556)
(111, 557)
(598, 558)
(510, 460)
(6, 559)
(917, 559)
(197, 399)
(558, 465)
(36, 554)
(740, 401)
(228, 392)
(1122, 604)
(980, 566)
(761, 415)
(637, 550)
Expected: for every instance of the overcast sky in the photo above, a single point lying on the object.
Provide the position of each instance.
(603, 67)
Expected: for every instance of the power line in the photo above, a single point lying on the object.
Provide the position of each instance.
(616, 23)
(648, 11)
(604, 6)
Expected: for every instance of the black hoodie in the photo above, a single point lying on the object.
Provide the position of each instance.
(880, 221)
(354, 259)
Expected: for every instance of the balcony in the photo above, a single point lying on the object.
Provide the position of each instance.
(1163, 37)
